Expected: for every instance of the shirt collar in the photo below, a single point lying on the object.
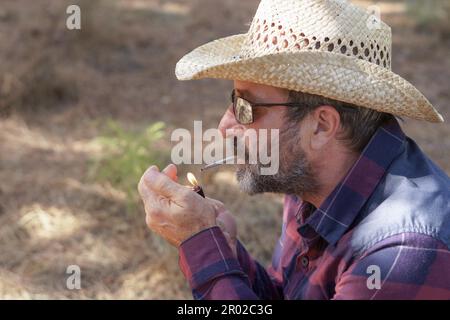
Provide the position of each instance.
(334, 217)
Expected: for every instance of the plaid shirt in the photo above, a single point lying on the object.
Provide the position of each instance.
(383, 233)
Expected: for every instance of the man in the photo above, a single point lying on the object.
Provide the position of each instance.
(366, 213)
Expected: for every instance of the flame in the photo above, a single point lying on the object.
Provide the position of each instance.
(192, 179)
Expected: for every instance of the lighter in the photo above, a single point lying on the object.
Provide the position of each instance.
(195, 186)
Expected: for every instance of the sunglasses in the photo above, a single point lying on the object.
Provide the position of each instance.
(243, 109)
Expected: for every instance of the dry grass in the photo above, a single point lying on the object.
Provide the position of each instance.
(58, 87)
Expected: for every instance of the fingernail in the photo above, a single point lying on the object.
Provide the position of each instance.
(167, 168)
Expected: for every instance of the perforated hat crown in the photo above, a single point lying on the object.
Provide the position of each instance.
(325, 47)
(324, 26)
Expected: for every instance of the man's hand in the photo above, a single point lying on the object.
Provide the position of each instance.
(174, 211)
(227, 223)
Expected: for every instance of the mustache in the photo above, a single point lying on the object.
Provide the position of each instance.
(237, 144)
(251, 159)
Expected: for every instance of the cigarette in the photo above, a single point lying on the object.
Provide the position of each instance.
(218, 163)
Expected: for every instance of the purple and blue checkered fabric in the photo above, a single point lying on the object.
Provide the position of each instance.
(383, 233)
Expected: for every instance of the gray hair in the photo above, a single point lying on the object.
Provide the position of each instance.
(358, 123)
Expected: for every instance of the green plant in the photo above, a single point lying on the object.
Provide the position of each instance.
(126, 155)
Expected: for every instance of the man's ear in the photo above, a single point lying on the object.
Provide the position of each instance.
(325, 124)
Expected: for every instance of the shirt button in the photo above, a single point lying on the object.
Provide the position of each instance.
(305, 261)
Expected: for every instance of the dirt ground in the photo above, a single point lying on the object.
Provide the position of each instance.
(57, 87)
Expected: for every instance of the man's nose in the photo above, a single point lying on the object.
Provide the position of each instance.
(228, 121)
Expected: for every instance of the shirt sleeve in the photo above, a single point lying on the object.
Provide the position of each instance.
(406, 266)
(213, 273)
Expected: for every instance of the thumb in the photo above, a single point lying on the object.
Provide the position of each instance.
(171, 172)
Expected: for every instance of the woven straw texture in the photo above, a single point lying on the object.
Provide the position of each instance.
(325, 47)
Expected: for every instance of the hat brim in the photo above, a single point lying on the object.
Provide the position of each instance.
(331, 75)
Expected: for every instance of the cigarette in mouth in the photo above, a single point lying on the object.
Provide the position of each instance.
(218, 163)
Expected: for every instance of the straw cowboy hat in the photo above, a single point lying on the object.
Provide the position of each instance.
(330, 48)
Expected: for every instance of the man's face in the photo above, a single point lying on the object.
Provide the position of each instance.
(295, 174)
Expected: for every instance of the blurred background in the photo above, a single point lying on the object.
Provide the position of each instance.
(84, 113)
